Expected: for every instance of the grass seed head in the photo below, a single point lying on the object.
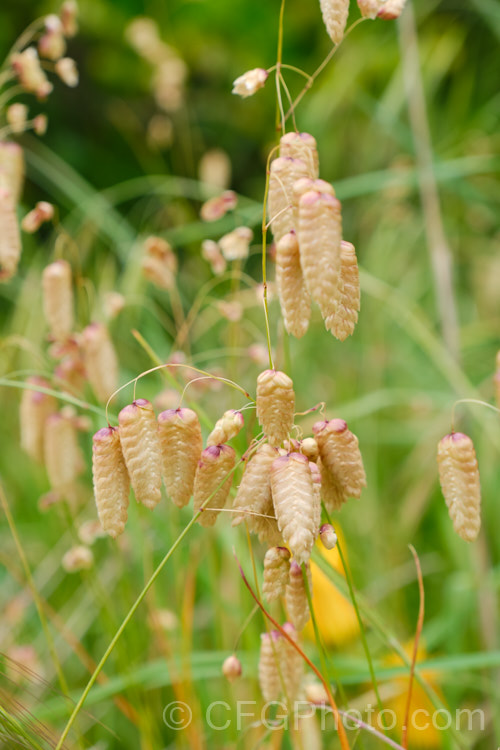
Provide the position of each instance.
(284, 172)
(269, 669)
(301, 146)
(390, 9)
(235, 245)
(58, 299)
(159, 263)
(250, 82)
(63, 456)
(226, 428)
(77, 558)
(293, 664)
(100, 360)
(335, 14)
(253, 502)
(35, 409)
(293, 295)
(275, 405)
(459, 479)
(296, 596)
(212, 482)
(141, 451)
(343, 321)
(111, 480)
(231, 668)
(181, 446)
(328, 536)
(340, 455)
(276, 570)
(30, 74)
(10, 239)
(295, 504)
(309, 447)
(12, 168)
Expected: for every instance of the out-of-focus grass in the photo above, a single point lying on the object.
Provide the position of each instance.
(393, 381)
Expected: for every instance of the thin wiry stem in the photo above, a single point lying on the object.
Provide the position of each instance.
(470, 401)
(418, 633)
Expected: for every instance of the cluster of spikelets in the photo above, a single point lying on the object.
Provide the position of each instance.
(312, 260)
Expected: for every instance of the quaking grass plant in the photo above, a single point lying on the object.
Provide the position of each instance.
(278, 481)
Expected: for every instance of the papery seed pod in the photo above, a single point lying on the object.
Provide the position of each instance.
(63, 456)
(390, 9)
(16, 116)
(231, 668)
(77, 558)
(293, 295)
(250, 82)
(316, 479)
(10, 239)
(459, 479)
(215, 168)
(328, 536)
(52, 44)
(35, 408)
(31, 76)
(212, 482)
(335, 14)
(12, 167)
(67, 70)
(269, 669)
(33, 220)
(275, 405)
(159, 263)
(305, 185)
(340, 455)
(69, 16)
(497, 380)
(276, 571)
(210, 251)
(111, 481)
(217, 207)
(295, 503)
(58, 299)
(101, 363)
(181, 446)
(254, 500)
(232, 311)
(343, 322)
(319, 235)
(235, 245)
(297, 604)
(141, 451)
(309, 447)
(284, 172)
(301, 146)
(293, 664)
(369, 8)
(315, 693)
(226, 428)
(332, 492)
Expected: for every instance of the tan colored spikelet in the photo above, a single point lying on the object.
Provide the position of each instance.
(305, 185)
(226, 428)
(269, 669)
(58, 299)
(309, 447)
(319, 235)
(497, 380)
(295, 504)
(293, 295)
(35, 408)
(275, 405)
(77, 558)
(335, 13)
(293, 664)
(10, 238)
(101, 363)
(296, 596)
(369, 8)
(12, 168)
(159, 263)
(213, 481)
(340, 455)
(181, 446)
(390, 9)
(459, 479)
(254, 499)
(276, 571)
(63, 456)
(343, 322)
(111, 481)
(284, 172)
(316, 480)
(332, 492)
(141, 451)
(301, 146)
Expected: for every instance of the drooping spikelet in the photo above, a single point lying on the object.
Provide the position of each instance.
(10, 239)
(343, 322)
(36, 407)
(63, 456)
(276, 571)
(12, 167)
(254, 498)
(293, 295)
(295, 503)
(332, 492)
(141, 451)
(284, 171)
(316, 480)
(58, 299)
(301, 146)
(296, 596)
(111, 480)
(309, 447)
(319, 235)
(340, 455)
(226, 428)
(213, 482)
(335, 14)
(269, 665)
(159, 263)
(101, 363)
(293, 664)
(459, 479)
(181, 446)
(275, 405)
